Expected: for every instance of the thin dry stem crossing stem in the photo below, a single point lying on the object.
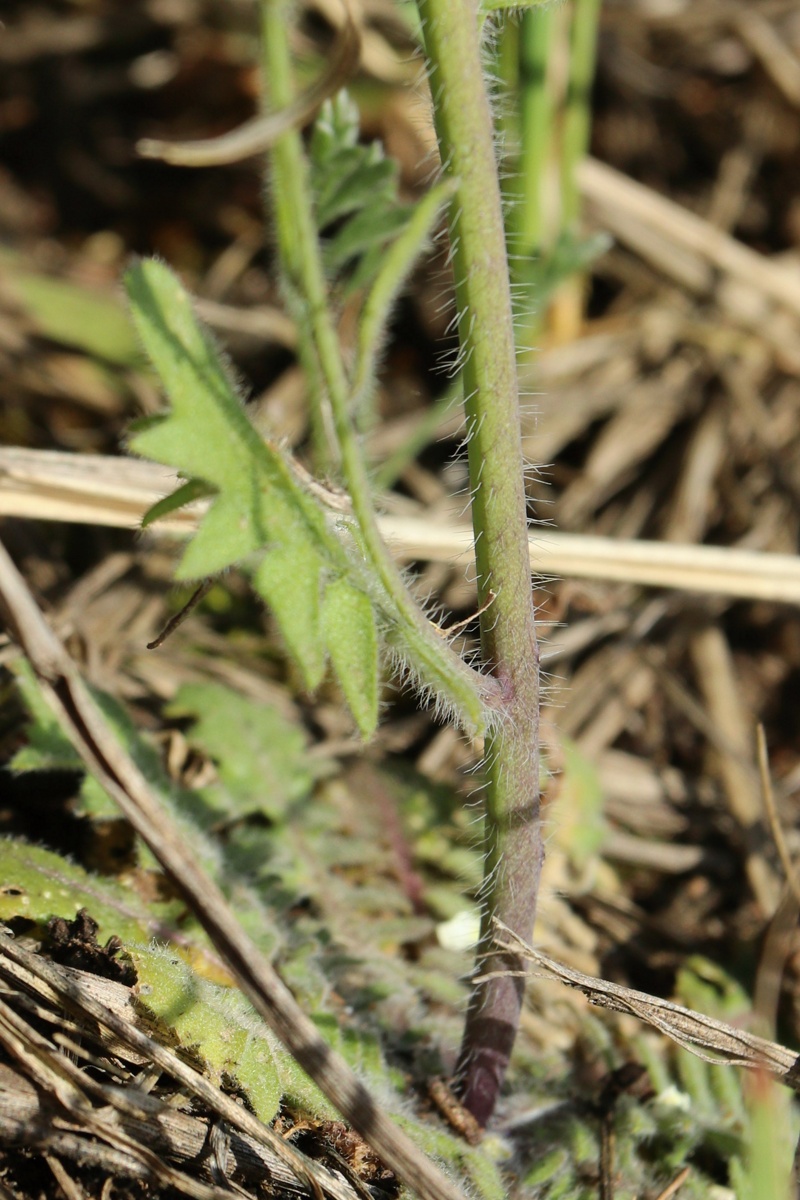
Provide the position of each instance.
(50, 485)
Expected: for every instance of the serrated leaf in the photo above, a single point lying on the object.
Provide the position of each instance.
(206, 434)
(348, 624)
(357, 177)
(356, 184)
(258, 503)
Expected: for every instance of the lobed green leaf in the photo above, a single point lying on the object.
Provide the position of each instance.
(256, 506)
(206, 435)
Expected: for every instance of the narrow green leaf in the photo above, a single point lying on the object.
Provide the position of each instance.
(395, 265)
(348, 623)
(368, 227)
(195, 489)
(288, 578)
(72, 314)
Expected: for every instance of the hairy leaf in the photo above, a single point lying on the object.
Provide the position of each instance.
(288, 579)
(258, 511)
(355, 195)
(351, 637)
(195, 489)
(490, 6)
(214, 1025)
(38, 884)
(72, 314)
(261, 755)
(206, 434)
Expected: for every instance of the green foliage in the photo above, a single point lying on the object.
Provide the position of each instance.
(48, 747)
(578, 813)
(726, 1124)
(322, 854)
(540, 277)
(75, 316)
(307, 858)
(206, 435)
(355, 194)
(213, 1025)
(261, 755)
(491, 6)
(259, 512)
(38, 884)
(395, 266)
(773, 1129)
(349, 629)
(187, 493)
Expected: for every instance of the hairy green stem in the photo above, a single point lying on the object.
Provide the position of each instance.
(437, 666)
(513, 845)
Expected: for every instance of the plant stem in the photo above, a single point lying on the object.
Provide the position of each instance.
(530, 241)
(512, 835)
(536, 126)
(437, 666)
(577, 113)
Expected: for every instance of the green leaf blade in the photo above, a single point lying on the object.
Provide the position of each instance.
(261, 755)
(348, 624)
(205, 410)
(187, 493)
(288, 579)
